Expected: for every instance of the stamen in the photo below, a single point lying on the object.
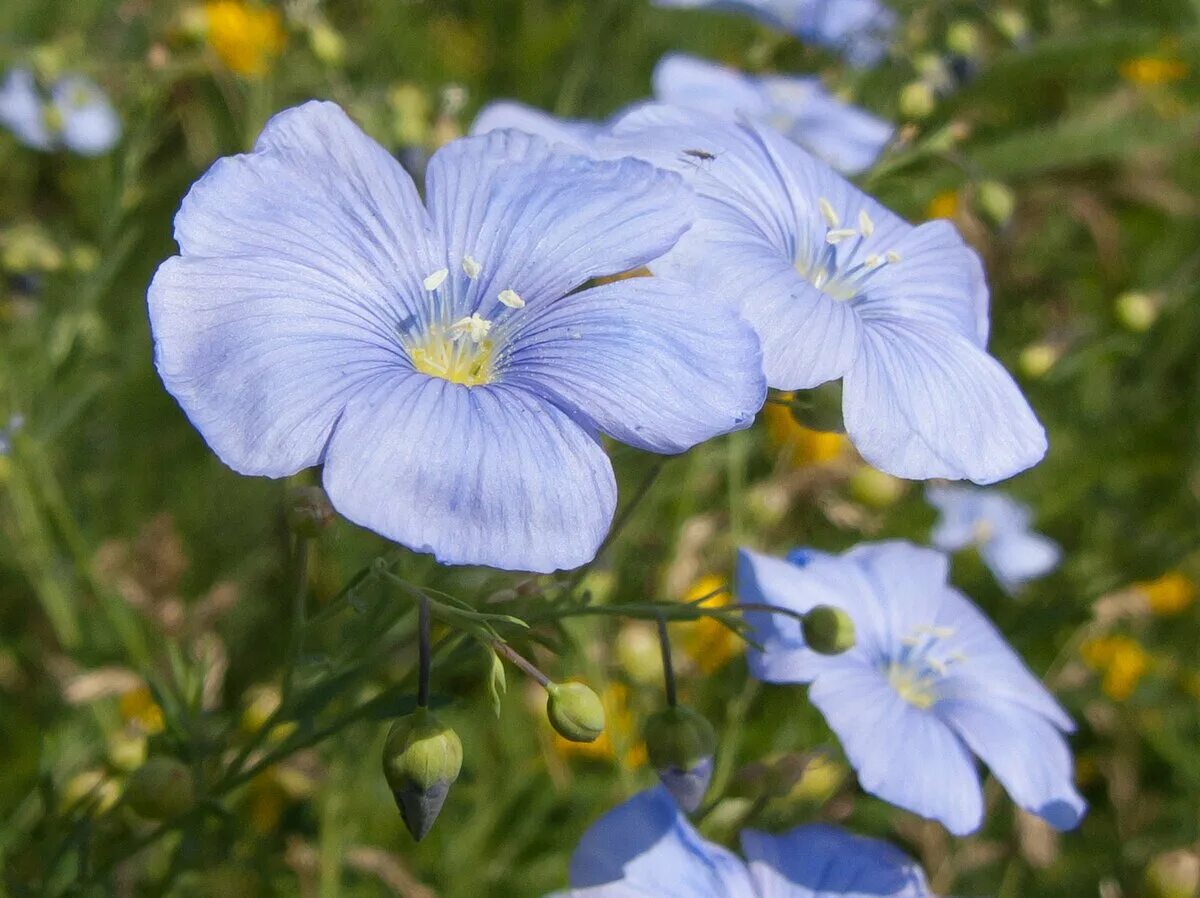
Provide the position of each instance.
(471, 267)
(834, 237)
(893, 256)
(828, 212)
(512, 299)
(436, 279)
(474, 328)
(865, 224)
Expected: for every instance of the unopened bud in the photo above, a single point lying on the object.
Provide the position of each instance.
(1175, 874)
(917, 100)
(681, 744)
(997, 201)
(161, 788)
(1037, 359)
(308, 511)
(422, 758)
(1137, 311)
(575, 711)
(828, 630)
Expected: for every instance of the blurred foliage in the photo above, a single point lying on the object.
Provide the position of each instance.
(145, 590)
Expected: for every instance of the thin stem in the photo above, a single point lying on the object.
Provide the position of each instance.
(664, 643)
(299, 609)
(519, 660)
(424, 651)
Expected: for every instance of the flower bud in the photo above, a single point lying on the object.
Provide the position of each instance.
(575, 711)
(161, 788)
(828, 630)
(681, 744)
(308, 511)
(1137, 311)
(997, 201)
(819, 409)
(421, 760)
(1175, 874)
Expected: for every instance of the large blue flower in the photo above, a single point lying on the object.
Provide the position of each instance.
(929, 685)
(858, 29)
(440, 362)
(999, 526)
(838, 286)
(75, 114)
(646, 848)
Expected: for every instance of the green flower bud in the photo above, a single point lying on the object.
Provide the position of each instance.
(1137, 311)
(161, 788)
(819, 409)
(997, 201)
(1175, 874)
(422, 758)
(828, 630)
(308, 511)
(575, 711)
(681, 744)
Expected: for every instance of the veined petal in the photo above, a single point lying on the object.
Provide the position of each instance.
(646, 848)
(263, 354)
(1025, 751)
(476, 475)
(821, 861)
(320, 192)
(902, 754)
(908, 584)
(925, 402)
(542, 222)
(654, 363)
(687, 81)
(505, 114)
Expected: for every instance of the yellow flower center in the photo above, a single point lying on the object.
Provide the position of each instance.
(461, 353)
(913, 686)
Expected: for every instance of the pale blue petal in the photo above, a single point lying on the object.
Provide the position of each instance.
(653, 363)
(22, 111)
(319, 192)
(687, 81)
(923, 402)
(504, 114)
(848, 138)
(90, 125)
(903, 754)
(646, 848)
(541, 221)
(485, 475)
(1026, 753)
(907, 584)
(821, 861)
(263, 353)
(959, 514)
(1016, 558)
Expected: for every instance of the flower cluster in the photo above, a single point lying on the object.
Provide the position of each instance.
(73, 113)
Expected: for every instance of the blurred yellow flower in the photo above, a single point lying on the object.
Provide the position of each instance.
(137, 707)
(1152, 71)
(807, 447)
(246, 37)
(1120, 660)
(91, 790)
(945, 205)
(706, 642)
(1170, 594)
(620, 737)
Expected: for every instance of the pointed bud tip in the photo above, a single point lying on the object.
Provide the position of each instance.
(828, 630)
(422, 758)
(680, 744)
(575, 711)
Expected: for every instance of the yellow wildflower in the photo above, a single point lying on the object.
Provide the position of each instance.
(708, 643)
(1120, 660)
(945, 205)
(620, 737)
(1152, 71)
(246, 37)
(1169, 594)
(137, 707)
(807, 447)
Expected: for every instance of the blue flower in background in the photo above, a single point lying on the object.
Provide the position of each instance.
(76, 114)
(999, 526)
(801, 109)
(15, 423)
(858, 29)
(438, 359)
(646, 848)
(929, 685)
(577, 134)
(837, 286)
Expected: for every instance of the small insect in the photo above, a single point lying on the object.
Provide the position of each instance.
(698, 157)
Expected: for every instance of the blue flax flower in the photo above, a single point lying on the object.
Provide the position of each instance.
(858, 29)
(438, 358)
(801, 109)
(929, 685)
(838, 286)
(999, 526)
(75, 114)
(646, 848)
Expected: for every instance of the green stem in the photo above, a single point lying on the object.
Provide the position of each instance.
(299, 610)
(423, 652)
(664, 643)
(521, 662)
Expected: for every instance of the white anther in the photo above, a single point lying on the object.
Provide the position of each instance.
(893, 256)
(827, 211)
(512, 299)
(471, 267)
(865, 225)
(475, 328)
(942, 632)
(836, 236)
(436, 279)
(873, 261)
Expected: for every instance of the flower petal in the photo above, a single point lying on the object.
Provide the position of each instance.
(504, 114)
(821, 861)
(90, 125)
(476, 475)
(646, 848)
(1018, 557)
(654, 363)
(21, 110)
(542, 222)
(924, 402)
(263, 353)
(902, 754)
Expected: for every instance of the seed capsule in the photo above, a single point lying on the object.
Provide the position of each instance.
(575, 711)
(828, 630)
